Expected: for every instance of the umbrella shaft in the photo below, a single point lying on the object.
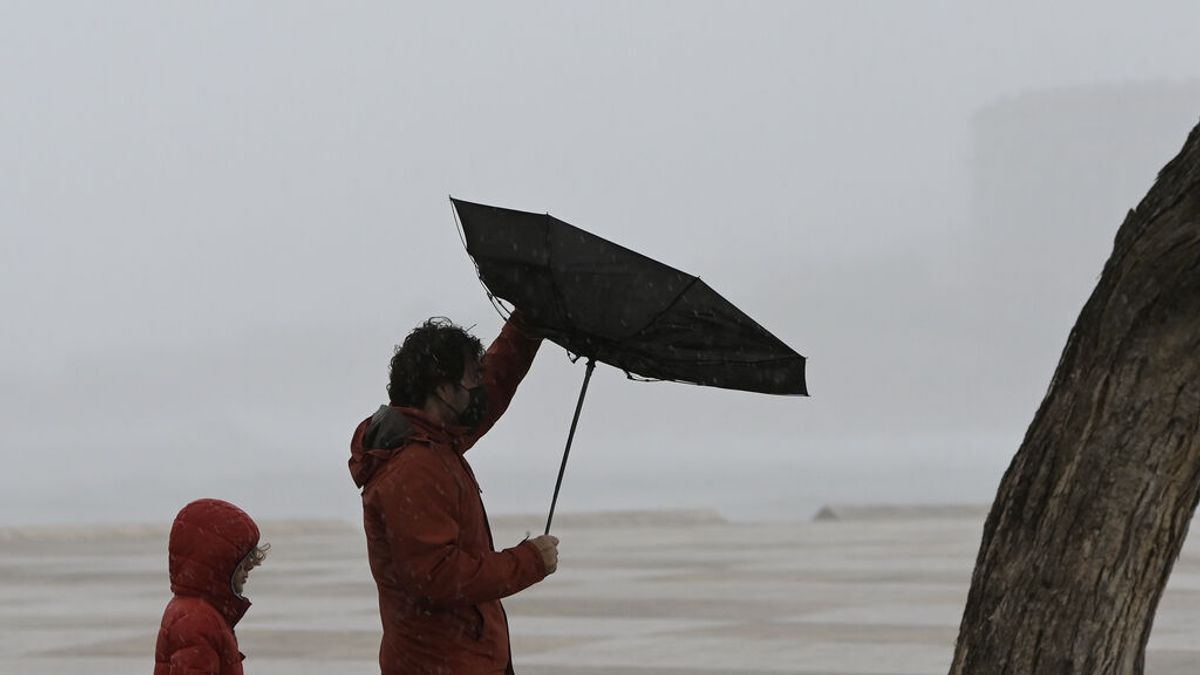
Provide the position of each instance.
(591, 365)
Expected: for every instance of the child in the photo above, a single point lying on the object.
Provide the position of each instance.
(213, 547)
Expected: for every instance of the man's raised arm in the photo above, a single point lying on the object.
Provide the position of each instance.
(505, 364)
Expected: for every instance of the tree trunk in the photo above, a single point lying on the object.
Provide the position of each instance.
(1090, 516)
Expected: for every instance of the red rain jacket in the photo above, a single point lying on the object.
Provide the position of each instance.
(208, 540)
(440, 578)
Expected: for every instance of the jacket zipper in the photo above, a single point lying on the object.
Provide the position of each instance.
(487, 527)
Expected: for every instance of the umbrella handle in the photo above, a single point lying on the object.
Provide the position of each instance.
(591, 365)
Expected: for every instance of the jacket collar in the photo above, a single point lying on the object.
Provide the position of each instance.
(379, 436)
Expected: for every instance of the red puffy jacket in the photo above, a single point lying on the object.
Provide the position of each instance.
(440, 578)
(208, 541)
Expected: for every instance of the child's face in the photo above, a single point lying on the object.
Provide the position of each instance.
(243, 571)
(239, 577)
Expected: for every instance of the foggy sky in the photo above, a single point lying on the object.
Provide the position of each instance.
(218, 219)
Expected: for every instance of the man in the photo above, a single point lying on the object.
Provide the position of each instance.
(439, 576)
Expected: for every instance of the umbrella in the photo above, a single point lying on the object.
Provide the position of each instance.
(604, 302)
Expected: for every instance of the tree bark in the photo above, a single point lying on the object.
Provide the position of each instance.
(1092, 512)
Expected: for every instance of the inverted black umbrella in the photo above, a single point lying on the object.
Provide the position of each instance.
(604, 302)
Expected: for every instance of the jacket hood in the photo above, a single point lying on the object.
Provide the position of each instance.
(379, 436)
(209, 539)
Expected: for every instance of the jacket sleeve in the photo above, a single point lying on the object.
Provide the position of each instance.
(420, 516)
(505, 364)
(196, 659)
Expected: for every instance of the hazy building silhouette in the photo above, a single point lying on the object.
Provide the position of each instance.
(1053, 173)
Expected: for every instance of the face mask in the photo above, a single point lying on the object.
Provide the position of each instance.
(472, 415)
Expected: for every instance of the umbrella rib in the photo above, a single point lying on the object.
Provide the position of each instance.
(668, 308)
(562, 303)
(462, 236)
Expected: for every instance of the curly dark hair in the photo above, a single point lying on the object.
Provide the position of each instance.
(433, 353)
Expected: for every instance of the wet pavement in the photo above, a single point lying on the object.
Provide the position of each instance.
(875, 591)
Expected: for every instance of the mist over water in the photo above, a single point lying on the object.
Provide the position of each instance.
(217, 223)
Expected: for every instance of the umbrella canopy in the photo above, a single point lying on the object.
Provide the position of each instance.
(610, 304)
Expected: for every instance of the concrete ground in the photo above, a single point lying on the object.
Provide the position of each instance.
(859, 591)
